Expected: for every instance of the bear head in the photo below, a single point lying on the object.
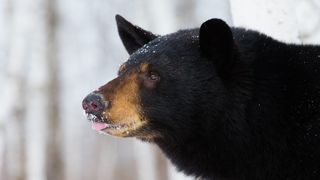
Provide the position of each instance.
(167, 84)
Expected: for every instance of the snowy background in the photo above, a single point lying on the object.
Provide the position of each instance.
(54, 52)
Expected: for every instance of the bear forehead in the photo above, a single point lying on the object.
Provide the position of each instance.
(174, 44)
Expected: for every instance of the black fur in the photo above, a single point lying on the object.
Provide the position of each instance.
(234, 105)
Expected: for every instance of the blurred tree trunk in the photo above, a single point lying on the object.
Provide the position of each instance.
(12, 93)
(54, 145)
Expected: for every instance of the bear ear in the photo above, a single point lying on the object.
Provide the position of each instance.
(216, 42)
(133, 37)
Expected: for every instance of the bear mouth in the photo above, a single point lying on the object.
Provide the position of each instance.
(101, 125)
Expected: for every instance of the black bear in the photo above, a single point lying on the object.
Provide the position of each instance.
(222, 103)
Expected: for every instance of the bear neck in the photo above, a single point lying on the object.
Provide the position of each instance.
(217, 148)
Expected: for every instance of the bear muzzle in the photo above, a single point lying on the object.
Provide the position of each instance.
(115, 108)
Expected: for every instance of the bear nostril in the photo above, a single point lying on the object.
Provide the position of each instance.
(94, 104)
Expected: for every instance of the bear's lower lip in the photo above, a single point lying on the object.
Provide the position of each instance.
(100, 125)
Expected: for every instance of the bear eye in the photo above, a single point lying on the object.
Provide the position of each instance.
(154, 76)
(151, 79)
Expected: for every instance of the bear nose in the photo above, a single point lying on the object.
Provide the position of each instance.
(94, 104)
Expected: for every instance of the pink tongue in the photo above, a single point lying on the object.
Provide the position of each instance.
(98, 126)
